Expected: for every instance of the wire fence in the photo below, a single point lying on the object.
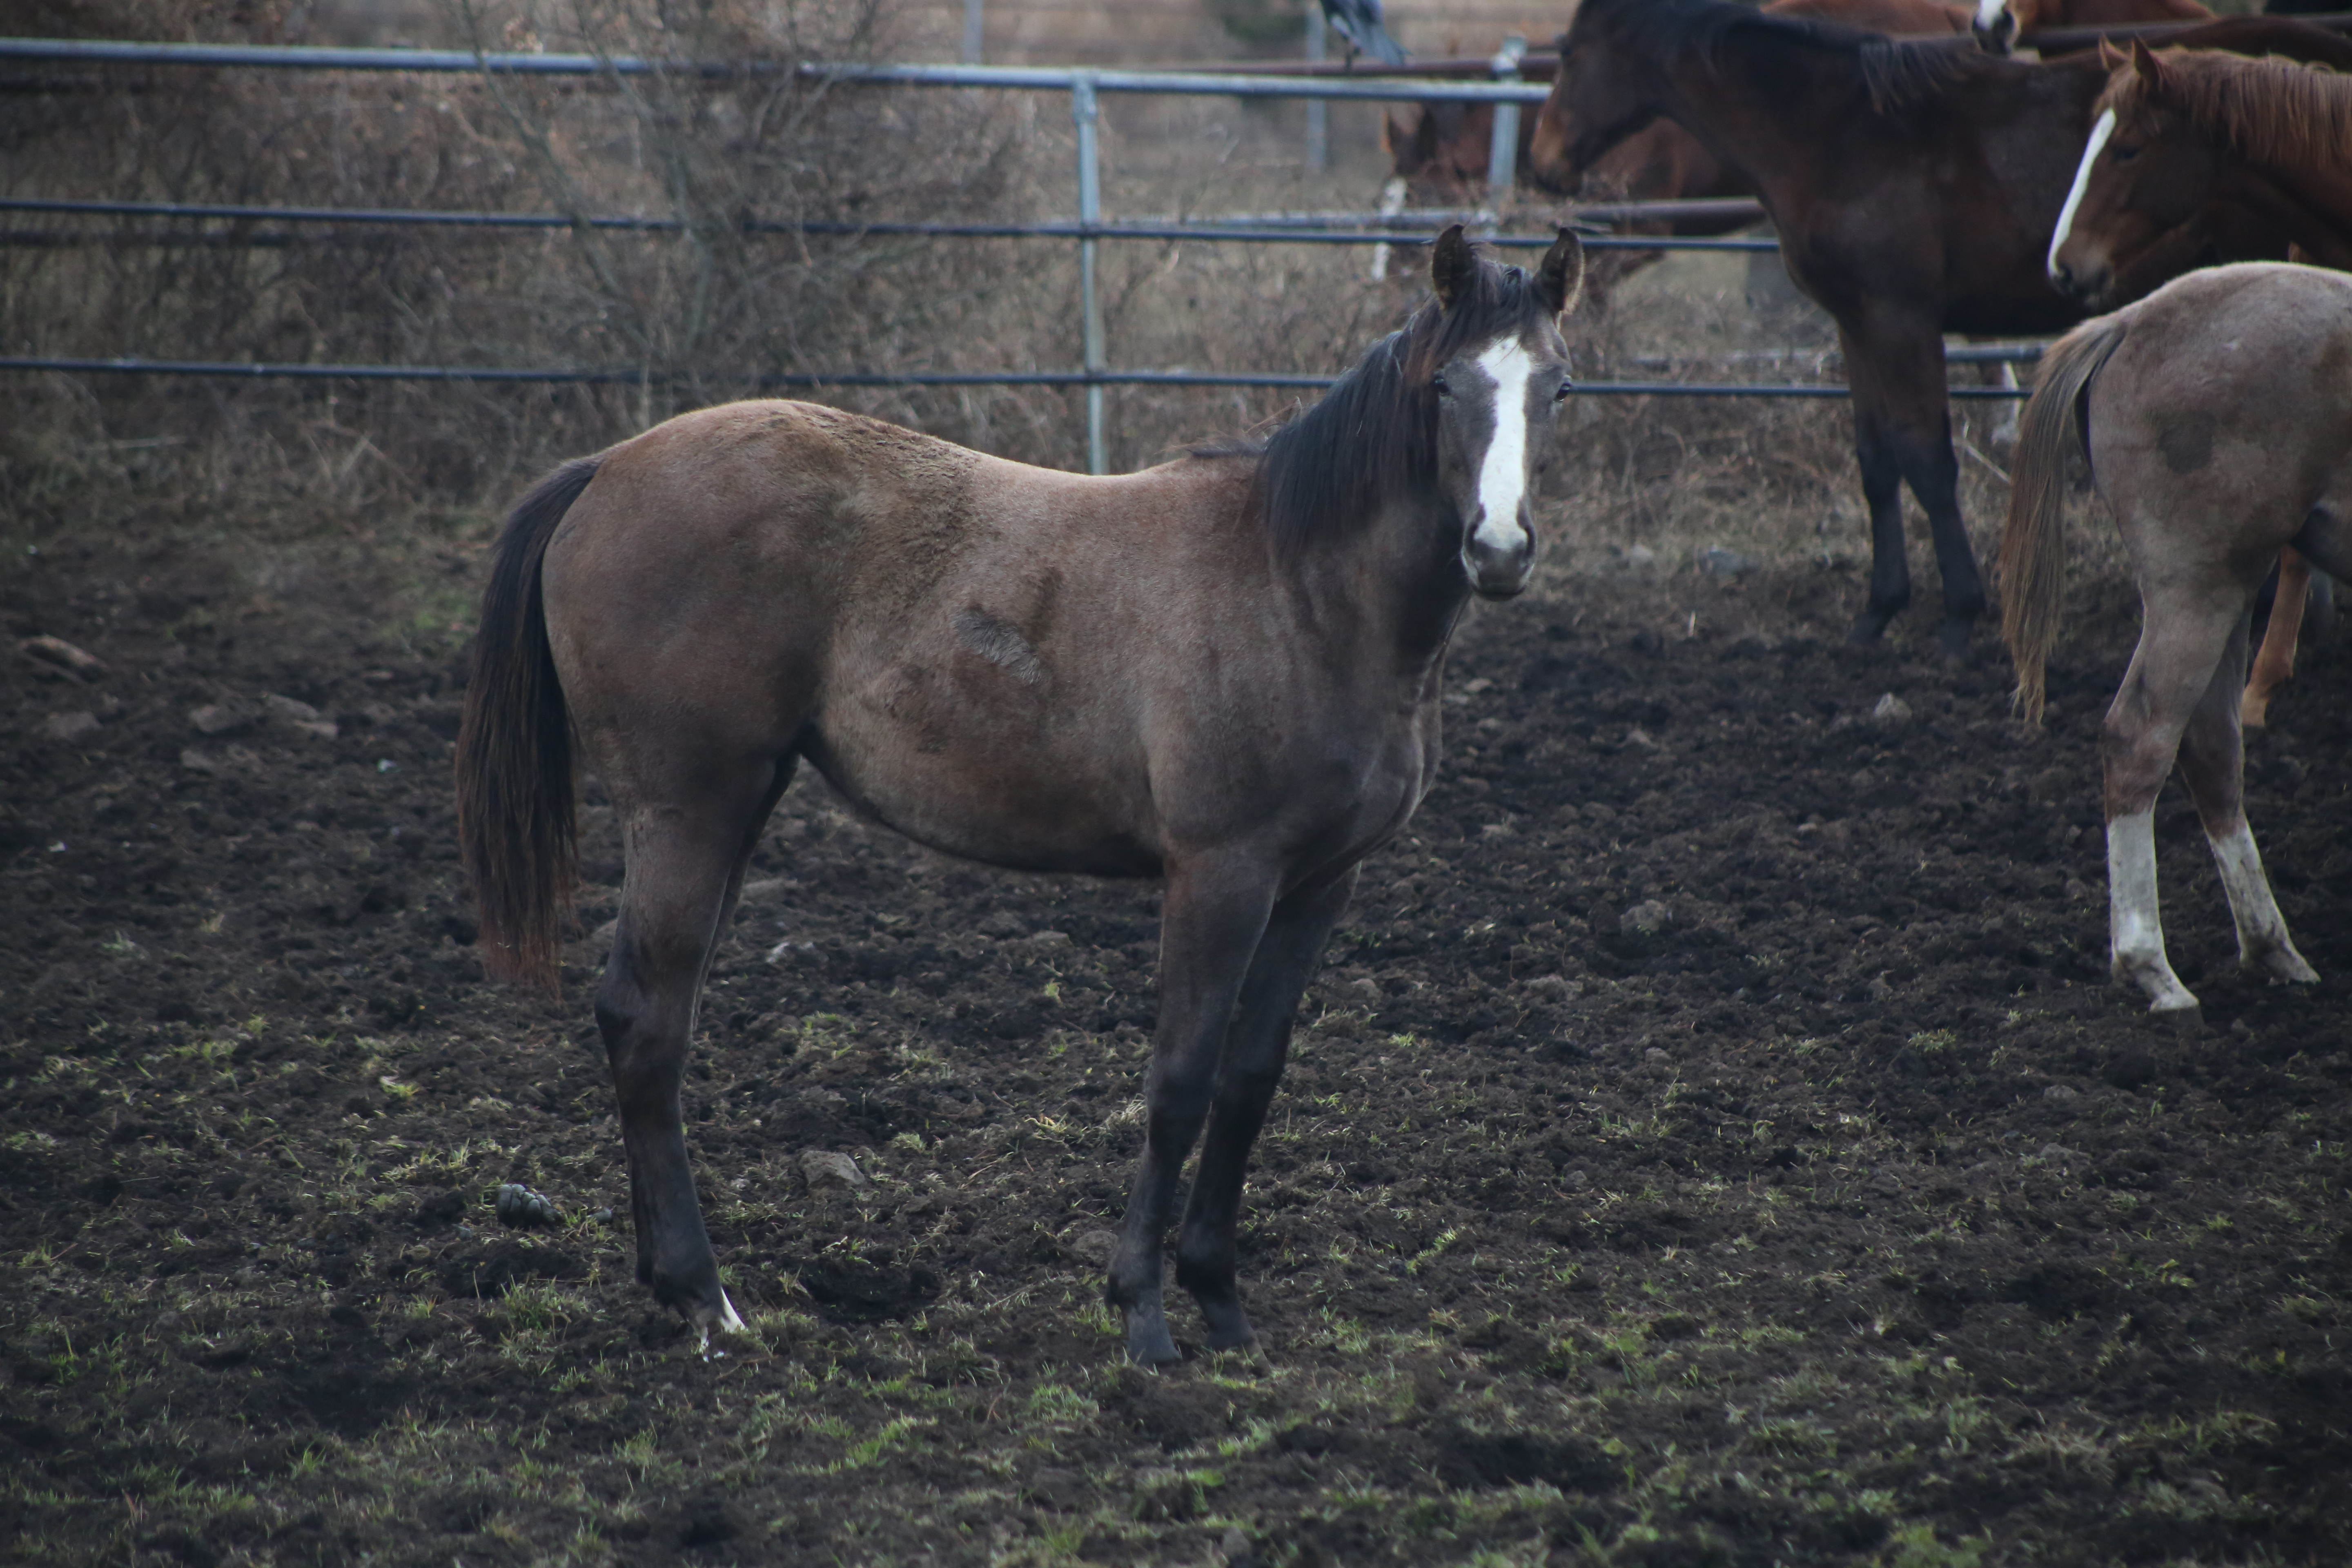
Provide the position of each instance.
(170, 223)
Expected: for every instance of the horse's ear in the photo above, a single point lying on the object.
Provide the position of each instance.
(1559, 281)
(1452, 264)
(2145, 65)
(2111, 58)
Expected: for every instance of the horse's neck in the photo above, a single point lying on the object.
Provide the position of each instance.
(2315, 207)
(1398, 582)
(1747, 112)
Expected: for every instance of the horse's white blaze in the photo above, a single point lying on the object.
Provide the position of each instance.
(2263, 939)
(2101, 130)
(2135, 930)
(1987, 13)
(1503, 473)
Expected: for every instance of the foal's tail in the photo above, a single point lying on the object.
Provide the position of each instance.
(514, 750)
(2033, 545)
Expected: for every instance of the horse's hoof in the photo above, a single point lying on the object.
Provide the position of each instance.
(1149, 1343)
(722, 1320)
(1954, 637)
(2286, 967)
(1871, 625)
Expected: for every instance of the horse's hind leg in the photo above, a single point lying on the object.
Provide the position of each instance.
(2274, 665)
(687, 847)
(2213, 762)
(1212, 920)
(1254, 1052)
(2184, 640)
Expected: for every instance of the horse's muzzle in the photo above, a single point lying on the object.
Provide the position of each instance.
(1499, 570)
(2088, 285)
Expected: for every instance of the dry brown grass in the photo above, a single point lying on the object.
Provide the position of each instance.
(705, 312)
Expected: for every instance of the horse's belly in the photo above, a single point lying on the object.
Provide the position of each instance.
(1002, 798)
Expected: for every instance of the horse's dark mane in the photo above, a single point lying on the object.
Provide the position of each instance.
(1373, 434)
(1894, 72)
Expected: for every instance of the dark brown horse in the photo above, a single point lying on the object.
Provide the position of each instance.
(1914, 186)
(1223, 671)
(2217, 417)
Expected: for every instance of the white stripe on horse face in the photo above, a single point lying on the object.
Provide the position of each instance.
(2100, 131)
(1987, 13)
(1503, 473)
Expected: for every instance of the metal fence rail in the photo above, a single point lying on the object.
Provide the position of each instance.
(1507, 91)
(1167, 229)
(242, 370)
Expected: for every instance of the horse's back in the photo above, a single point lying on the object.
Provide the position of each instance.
(2231, 395)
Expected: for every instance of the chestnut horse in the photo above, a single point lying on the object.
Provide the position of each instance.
(1223, 671)
(1914, 185)
(2184, 138)
(2185, 142)
(2216, 415)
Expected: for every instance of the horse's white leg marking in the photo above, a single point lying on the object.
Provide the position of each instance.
(2104, 128)
(2135, 930)
(1503, 473)
(1987, 13)
(727, 1322)
(2263, 941)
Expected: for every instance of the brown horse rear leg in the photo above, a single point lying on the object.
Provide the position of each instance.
(1254, 1052)
(2274, 665)
(686, 859)
(1210, 922)
(2213, 762)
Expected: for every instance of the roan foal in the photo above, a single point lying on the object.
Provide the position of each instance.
(2217, 417)
(1223, 671)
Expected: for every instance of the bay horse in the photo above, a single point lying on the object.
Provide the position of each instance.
(1914, 185)
(2216, 415)
(1223, 671)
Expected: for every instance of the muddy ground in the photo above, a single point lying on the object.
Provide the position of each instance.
(1713, 1142)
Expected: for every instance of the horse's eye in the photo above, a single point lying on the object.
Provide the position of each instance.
(2120, 153)
(1437, 384)
(1565, 386)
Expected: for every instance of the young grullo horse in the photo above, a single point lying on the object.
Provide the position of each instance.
(2217, 417)
(1223, 671)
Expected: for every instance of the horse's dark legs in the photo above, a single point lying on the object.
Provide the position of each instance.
(1254, 1052)
(1882, 493)
(686, 861)
(1211, 921)
(1903, 432)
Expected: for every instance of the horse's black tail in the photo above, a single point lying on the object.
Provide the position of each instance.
(515, 826)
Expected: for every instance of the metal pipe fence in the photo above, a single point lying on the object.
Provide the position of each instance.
(1507, 91)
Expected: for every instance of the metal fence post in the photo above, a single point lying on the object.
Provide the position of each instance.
(1318, 112)
(974, 30)
(1086, 111)
(1503, 157)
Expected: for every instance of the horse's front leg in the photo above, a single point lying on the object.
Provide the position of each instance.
(1882, 491)
(1211, 920)
(1255, 1050)
(685, 866)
